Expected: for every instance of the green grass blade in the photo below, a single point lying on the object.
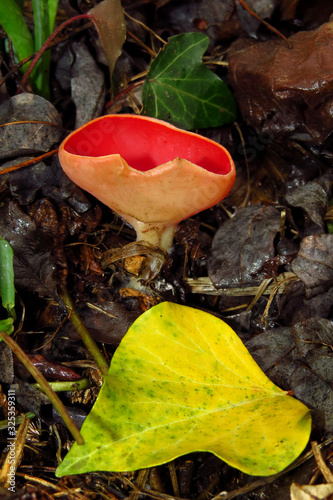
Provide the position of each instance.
(13, 22)
(53, 7)
(7, 288)
(44, 18)
(41, 73)
(40, 21)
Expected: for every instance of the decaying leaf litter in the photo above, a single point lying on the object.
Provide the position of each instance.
(269, 275)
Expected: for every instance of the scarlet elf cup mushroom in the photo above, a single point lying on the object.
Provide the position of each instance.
(151, 173)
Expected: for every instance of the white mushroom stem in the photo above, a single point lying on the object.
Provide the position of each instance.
(158, 234)
(147, 170)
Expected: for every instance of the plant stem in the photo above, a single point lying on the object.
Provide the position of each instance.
(46, 45)
(269, 26)
(28, 162)
(67, 385)
(83, 332)
(57, 403)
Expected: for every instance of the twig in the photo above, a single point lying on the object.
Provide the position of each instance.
(18, 446)
(261, 290)
(124, 92)
(24, 122)
(139, 484)
(145, 27)
(83, 332)
(269, 26)
(143, 45)
(21, 63)
(174, 479)
(205, 286)
(282, 283)
(320, 462)
(40, 379)
(40, 481)
(46, 45)
(28, 162)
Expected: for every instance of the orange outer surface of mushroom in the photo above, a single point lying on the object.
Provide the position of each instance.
(151, 173)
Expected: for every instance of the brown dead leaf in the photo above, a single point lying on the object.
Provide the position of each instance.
(51, 370)
(242, 245)
(312, 198)
(300, 358)
(310, 14)
(34, 264)
(188, 234)
(88, 261)
(145, 301)
(106, 320)
(314, 262)
(282, 91)
(130, 250)
(108, 17)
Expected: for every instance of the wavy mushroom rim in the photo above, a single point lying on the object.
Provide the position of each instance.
(152, 182)
(145, 143)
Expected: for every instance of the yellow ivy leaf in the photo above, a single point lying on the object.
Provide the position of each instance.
(182, 381)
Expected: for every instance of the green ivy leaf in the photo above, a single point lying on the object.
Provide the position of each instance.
(180, 89)
(181, 381)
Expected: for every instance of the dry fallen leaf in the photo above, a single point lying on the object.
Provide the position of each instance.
(242, 245)
(109, 19)
(314, 261)
(311, 492)
(283, 91)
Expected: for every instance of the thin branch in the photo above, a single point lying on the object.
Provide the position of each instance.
(41, 380)
(269, 26)
(46, 45)
(27, 163)
(83, 332)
